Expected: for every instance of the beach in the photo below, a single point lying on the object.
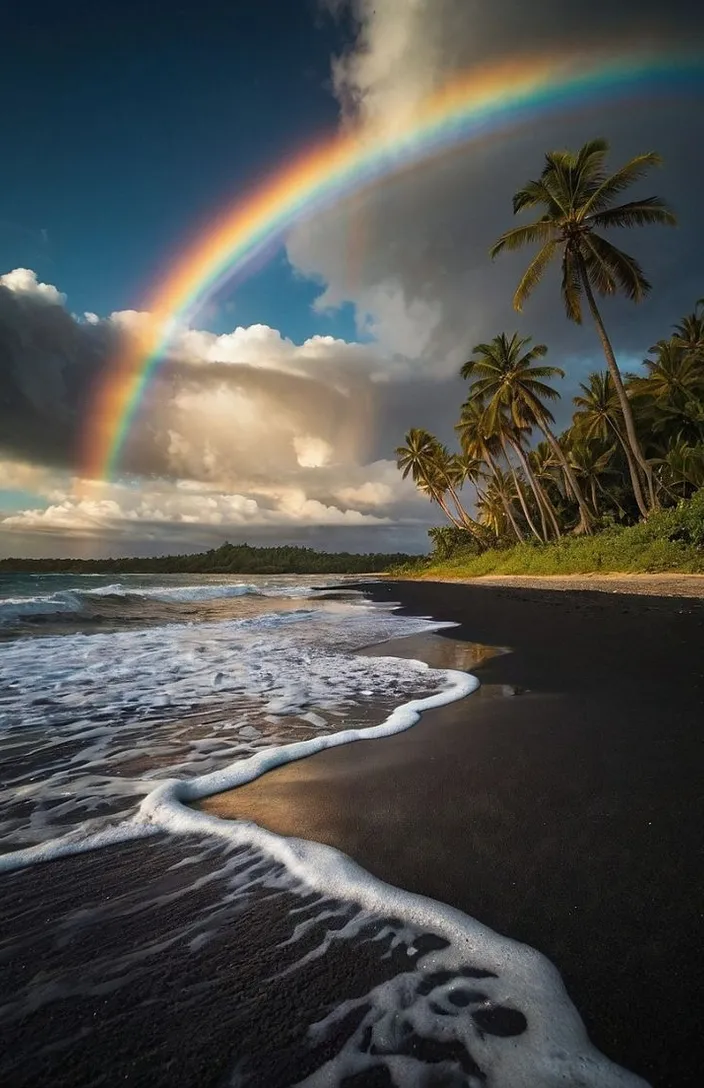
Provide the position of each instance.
(561, 804)
(157, 926)
(651, 585)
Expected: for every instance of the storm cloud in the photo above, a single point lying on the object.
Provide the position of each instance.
(249, 434)
(412, 255)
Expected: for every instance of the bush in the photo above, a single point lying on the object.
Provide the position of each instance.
(670, 540)
(449, 542)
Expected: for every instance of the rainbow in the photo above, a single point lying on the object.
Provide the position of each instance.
(475, 107)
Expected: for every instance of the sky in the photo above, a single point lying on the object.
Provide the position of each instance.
(128, 127)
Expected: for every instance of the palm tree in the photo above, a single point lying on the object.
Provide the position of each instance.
(681, 468)
(511, 439)
(548, 470)
(434, 472)
(492, 505)
(578, 198)
(477, 443)
(689, 332)
(671, 393)
(418, 458)
(599, 415)
(508, 378)
(470, 469)
(591, 459)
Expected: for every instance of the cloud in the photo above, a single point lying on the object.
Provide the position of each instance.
(23, 281)
(158, 507)
(246, 432)
(250, 432)
(411, 254)
(367, 494)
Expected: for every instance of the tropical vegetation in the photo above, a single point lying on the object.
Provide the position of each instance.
(635, 443)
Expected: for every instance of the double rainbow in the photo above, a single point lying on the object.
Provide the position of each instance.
(473, 108)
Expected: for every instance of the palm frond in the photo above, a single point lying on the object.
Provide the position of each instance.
(539, 231)
(534, 273)
(540, 389)
(534, 195)
(557, 177)
(539, 371)
(589, 164)
(620, 267)
(619, 181)
(598, 270)
(538, 351)
(637, 213)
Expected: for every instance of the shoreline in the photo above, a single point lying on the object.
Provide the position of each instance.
(653, 585)
(520, 811)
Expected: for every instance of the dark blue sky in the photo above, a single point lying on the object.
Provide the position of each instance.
(126, 125)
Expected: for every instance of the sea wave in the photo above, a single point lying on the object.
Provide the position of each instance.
(487, 1008)
(107, 713)
(66, 602)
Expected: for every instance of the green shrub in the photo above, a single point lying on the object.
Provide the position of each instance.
(670, 540)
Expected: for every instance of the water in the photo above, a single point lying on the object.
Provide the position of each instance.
(121, 703)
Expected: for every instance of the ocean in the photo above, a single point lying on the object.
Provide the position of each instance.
(146, 942)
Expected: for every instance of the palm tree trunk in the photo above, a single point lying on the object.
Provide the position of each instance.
(544, 504)
(470, 524)
(440, 500)
(507, 505)
(632, 470)
(521, 496)
(593, 490)
(584, 515)
(633, 440)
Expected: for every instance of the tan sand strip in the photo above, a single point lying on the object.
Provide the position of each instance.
(654, 585)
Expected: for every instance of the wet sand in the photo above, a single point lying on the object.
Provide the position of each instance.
(561, 804)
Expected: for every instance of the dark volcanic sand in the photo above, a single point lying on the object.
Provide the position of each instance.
(568, 816)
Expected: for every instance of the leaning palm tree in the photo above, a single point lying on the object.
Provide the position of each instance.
(478, 444)
(507, 376)
(453, 468)
(434, 473)
(418, 458)
(592, 460)
(599, 415)
(492, 509)
(578, 198)
(511, 438)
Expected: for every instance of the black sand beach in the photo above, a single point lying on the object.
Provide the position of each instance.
(561, 805)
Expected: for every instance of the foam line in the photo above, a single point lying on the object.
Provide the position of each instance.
(76, 842)
(165, 806)
(559, 1042)
(557, 1050)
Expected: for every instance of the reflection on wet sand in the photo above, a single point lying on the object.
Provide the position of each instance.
(287, 800)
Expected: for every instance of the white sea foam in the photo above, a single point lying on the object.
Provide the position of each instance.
(285, 659)
(13, 609)
(207, 592)
(553, 1050)
(88, 721)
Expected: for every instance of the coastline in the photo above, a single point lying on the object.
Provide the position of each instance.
(566, 818)
(652, 585)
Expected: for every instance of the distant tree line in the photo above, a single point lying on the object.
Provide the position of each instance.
(227, 559)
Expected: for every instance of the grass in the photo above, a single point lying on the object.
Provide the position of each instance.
(671, 540)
